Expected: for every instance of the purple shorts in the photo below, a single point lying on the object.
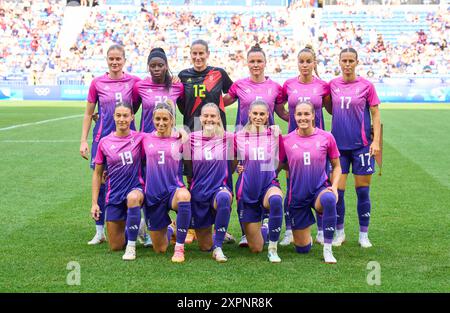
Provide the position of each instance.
(118, 212)
(203, 212)
(157, 215)
(361, 162)
(254, 212)
(94, 148)
(301, 215)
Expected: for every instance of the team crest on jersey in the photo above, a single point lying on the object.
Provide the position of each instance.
(132, 141)
(337, 90)
(357, 91)
(248, 90)
(149, 90)
(127, 86)
(150, 145)
(107, 88)
(317, 145)
(295, 91)
(294, 146)
(269, 91)
(112, 147)
(189, 80)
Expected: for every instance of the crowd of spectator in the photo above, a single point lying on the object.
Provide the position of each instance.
(29, 34)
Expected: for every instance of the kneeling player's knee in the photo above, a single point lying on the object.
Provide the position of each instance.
(205, 247)
(160, 249)
(255, 248)
(133, 199)
(184, 195)
(223, 199)
(116, 246)
(303, 249)
(327, 199)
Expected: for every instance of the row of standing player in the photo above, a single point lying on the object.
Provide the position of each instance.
(352, 100)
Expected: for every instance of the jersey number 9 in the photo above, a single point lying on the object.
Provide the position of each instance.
(119, 97)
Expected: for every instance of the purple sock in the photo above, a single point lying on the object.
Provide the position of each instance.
(287, 220)
(363, 207)
(239, 212)
(265, 233)
(222, 217)
(101, 204)
(170, 233)
(303, 249)
(319, 218)
(183, 220)
(328, 202)
(340, 210)
(133, 222)
(275, 217)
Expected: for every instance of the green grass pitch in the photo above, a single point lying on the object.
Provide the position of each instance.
(45, 222)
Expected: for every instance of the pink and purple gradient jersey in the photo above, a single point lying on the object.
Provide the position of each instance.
(150, 94)
(122, 156)
(306, 157)
(260, 156)
(351, 115)
(162, 176)
(314, 92)
(107, 93)
(247, 91)
(210, 157)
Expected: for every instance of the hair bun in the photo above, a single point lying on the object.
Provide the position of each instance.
(309, 46)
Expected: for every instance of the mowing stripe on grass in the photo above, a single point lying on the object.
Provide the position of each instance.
(41, 122)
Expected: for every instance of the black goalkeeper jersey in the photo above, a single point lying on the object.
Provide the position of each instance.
(201, 88)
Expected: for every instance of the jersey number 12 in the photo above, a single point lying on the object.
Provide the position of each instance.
(199, 91)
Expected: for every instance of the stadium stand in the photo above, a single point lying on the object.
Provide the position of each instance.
(47, 42)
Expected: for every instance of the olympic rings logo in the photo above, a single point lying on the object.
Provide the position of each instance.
(42, 91)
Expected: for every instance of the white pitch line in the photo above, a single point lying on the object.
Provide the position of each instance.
(38, 141)
(41, 122)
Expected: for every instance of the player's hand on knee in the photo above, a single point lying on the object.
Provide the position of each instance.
(335, 192)
(95, 212)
